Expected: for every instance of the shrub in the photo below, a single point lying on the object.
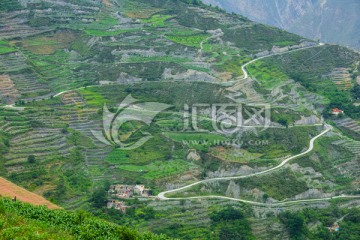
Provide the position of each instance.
(31, 159)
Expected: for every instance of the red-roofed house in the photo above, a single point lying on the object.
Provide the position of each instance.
(336, 111)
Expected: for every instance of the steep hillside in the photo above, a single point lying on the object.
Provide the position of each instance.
(8, 189)
(330, 21)
(102, 96)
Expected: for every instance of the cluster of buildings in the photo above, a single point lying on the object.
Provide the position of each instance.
(121, 191)
(128, 191)
(118, 205)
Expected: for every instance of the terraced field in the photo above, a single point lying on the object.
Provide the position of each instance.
(349, 124)
(62, 61)
(44, 144)
(8, 93)
(342, 78)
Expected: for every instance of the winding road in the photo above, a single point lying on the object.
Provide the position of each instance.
(285, 161)
(277, 204)
(161, 195)
(243, 68)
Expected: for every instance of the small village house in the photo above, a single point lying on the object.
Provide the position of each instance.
(128, 191)
(336, 111)
(118, 205)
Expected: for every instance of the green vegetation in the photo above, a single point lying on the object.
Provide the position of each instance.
(200, 141)
(294, 223)
(327, 161)
(4, 145)
(277, 143)
(20, 220)
(92, 98)
(267, 74)
(285, 43)
(156, 59)
(191, 41)
(279, 185)
(311, 73)
(259, 36)
(235, 155)
(285, 117)
(157, 21)
(9, 5)
(231, 224)
(157, 170)
(104, 51)
(233, 65)
(6, 48)
(104, 33)
(297, 223)
(31, 159)
(155, 149)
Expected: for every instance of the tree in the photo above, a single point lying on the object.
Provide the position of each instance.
(231, 223)
(99, 196)
(294, 222)
(265, 197)
(284, 122)
(356, 92)
(31, 159)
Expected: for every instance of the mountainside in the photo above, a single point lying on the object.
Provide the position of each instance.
(330, 21)
(115, 107)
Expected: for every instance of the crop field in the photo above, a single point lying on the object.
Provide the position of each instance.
(91, 97)
(104, 33)
(234, 155)
(62, 61)
(157, 21)
(103, 22)
(48, 44)
(191, 41)
(269, 76)
(155, 149)
(156, 59)
(138, 10)
(6, 48)
(181, 31)
(158, 169)
(232, 65)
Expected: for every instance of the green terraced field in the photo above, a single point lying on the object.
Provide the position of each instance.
(103, 33)
(157, 21)
(184, 54)
(191, 41)
(157, 170)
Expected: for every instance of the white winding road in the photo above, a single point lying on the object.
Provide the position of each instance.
(161, 195)
(243, 67)
(277, 204)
